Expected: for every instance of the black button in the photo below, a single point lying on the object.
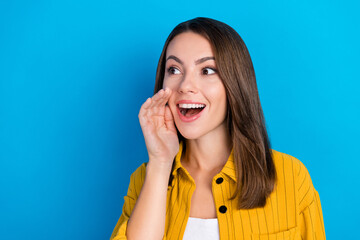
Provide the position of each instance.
(223, 209)
(219, 180)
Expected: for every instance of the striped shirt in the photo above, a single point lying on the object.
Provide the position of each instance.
(292, 211)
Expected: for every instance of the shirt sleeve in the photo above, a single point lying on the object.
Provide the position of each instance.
(311, 217)
(136, 181)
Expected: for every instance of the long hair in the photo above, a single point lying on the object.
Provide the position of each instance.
(254, 166)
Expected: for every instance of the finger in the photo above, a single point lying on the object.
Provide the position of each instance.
(161, 102)
(146, 104)
(144, 109)
(169, 119)
(158, 96)
(157, 108)
(151, 106)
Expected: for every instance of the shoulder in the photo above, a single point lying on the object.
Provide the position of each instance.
(286, 162)
(138, 173)
(288, 167)
(137, 180)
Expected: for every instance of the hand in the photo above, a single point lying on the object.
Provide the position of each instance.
(157, 124)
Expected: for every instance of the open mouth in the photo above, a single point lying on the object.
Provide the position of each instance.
(190, 110)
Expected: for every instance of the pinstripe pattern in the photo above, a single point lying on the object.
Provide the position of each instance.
(292, 211)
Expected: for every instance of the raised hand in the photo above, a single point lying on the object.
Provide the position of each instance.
(157, 124)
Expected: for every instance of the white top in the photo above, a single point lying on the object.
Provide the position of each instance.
(198, 228)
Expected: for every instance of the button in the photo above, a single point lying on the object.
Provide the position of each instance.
(219, 180)
(223, 209)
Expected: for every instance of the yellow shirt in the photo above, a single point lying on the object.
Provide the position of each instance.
(292, 211)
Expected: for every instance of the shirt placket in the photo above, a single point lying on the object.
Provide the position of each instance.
(222, 208)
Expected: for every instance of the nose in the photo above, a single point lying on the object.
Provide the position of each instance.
(188, 84)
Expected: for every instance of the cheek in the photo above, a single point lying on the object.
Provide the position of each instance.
(216, 93)
(166, 83)
(171, 103)
(171, 83)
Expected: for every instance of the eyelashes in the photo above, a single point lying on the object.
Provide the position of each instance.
(205, 71)
(171, 69)
(211, 69)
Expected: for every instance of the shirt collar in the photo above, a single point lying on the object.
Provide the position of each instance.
(228, 169)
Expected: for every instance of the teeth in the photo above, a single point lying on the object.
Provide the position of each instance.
(184, 105)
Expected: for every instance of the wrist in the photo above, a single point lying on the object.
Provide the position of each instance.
(162, 165)
(161, 170)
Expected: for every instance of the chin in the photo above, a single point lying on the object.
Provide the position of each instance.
(189, 134)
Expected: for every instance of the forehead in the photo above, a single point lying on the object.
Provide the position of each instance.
(188, 45)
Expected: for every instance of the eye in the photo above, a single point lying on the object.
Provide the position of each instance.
(173, 70)
(208, 71)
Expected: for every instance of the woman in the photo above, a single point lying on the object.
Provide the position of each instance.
(211, 173)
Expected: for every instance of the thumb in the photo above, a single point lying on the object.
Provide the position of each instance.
(169, 119)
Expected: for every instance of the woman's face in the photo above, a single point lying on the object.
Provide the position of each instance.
(198, 99)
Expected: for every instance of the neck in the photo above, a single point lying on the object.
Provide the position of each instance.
(209, 152)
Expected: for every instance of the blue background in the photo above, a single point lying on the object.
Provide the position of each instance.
(73, 75)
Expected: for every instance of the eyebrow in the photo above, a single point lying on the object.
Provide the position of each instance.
(201, 60)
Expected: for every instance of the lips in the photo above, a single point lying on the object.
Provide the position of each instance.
(188, 110)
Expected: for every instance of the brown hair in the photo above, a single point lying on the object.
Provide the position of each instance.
(255, 170)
